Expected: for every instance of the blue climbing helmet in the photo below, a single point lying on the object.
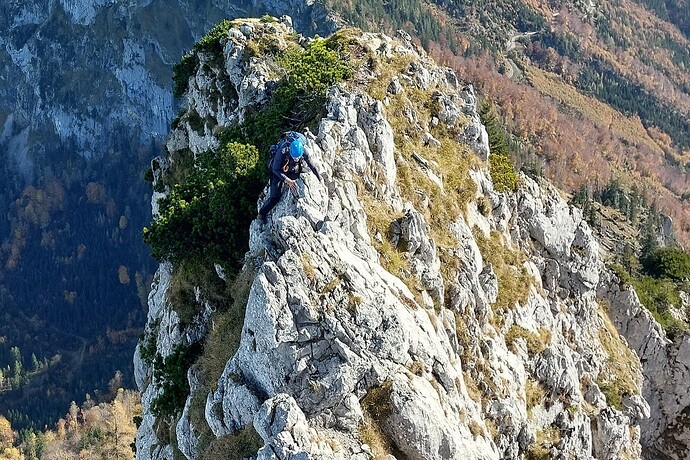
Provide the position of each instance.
(296, 149)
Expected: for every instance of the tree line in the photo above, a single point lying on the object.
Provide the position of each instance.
(90, 431)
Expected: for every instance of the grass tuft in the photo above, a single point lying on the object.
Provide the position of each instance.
(514, 281)
(377, 408)
(619, 374)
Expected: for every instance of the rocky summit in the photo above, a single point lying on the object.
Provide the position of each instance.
(408, 305)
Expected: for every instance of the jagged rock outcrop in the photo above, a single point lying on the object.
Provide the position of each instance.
(666, 369)
(86, 99)
(496, 343)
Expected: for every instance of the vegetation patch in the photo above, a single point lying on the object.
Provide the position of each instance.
(308, 267)
(612, 393)
(244, 444)
(379, 219)
(148, 347)
(536, 343)
(514, 281)
(171, 375)
(178, 170)
(377, 408)
(377, 402)
(385, 69)
(670, 263)
(370, 433)
(617, 378)
(220, 344)
(534, 394)
(503, 173)
(546, 439)
(207, 216)
(659, 296)
(191, 274)
(299, 97)
(658, 277)
(500, 166)
(209, 43)
(472, 388)
(451, 163)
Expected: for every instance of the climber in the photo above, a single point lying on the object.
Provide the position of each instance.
(285, 166)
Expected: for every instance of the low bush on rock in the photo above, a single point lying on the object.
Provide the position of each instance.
(207, 215)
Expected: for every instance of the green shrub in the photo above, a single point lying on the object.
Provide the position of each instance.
(622, 273)
(501, 168)
(498, 141)
(147, 350)
(312, 71)
(207, 216)
(659, 296)
(612, 393)
(182, 72)
(299, 97)
(502, 173)
(670, 263)
(171, 375)
(210, 43)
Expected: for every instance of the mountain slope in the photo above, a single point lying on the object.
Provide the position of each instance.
(402, 306)
(87, 98)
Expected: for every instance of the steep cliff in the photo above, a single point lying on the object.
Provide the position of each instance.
(402, 306)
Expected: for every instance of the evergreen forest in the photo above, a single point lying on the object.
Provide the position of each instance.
(73, 280)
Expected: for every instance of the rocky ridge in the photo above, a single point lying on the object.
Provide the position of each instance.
(346, 354)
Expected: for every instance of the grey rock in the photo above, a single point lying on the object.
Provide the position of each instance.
(187, 439)
(327, 327)
(611, 436)
(395, 87)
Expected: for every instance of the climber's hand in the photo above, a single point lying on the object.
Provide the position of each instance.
(292, 184)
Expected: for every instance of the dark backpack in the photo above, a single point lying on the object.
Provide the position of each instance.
(282, 147)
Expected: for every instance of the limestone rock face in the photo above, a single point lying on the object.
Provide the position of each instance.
(344, 355)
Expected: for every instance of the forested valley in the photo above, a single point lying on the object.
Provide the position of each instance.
(73, 280)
